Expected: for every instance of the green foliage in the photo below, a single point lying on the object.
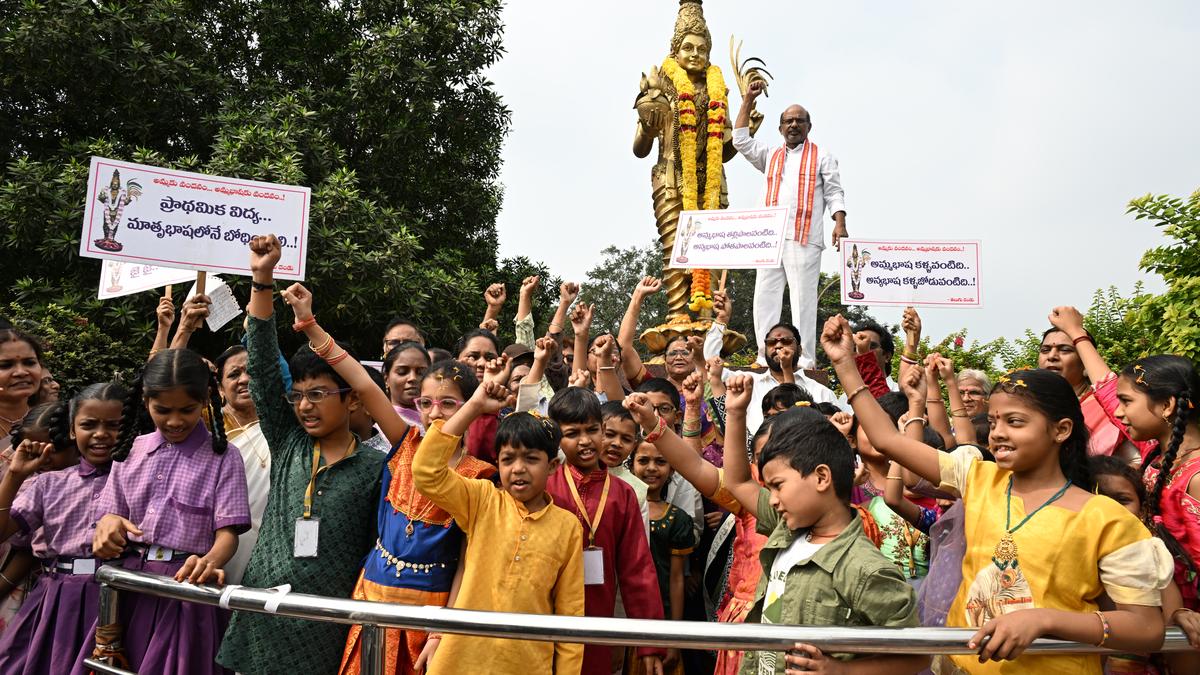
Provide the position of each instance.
(610, 284)
(78, 352)
(1171, 321)
(381, 108)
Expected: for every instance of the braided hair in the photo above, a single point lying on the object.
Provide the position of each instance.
(50, 418)
(1162, 378)
(169, 369)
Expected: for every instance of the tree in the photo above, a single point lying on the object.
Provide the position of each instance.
(1171, 321)
(382, 108)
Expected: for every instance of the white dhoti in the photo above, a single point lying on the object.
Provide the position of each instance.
(801, 272)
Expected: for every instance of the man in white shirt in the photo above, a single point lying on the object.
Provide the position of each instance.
(780, 337)
(806, 180)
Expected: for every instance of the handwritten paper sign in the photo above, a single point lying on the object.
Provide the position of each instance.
(223, 308)
(151, 216)
(121, 278)
(918, 273)
(729, 239)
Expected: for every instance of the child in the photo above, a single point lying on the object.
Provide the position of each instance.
(818, 567)
(544, 574)
(671, 540)
(666, 400)
(608, 511)
(1017, 586)
(417, 552)
(1157, 402)
(1122, 483)
(174, 504)
(320, 519)
(621, 437)
(55, 509)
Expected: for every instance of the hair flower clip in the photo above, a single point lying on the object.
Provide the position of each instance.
(1141, 375)
(802, 404)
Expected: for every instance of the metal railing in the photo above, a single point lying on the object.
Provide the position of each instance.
(375, 617)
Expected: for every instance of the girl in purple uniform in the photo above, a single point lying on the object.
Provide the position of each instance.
(53, 509)
(174, 505)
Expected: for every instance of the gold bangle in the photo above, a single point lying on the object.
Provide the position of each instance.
(324, 346)
(895, 477)
(850, 398)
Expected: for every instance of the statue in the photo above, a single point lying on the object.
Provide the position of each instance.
(857, 263)
(683, 104)
(115, 200)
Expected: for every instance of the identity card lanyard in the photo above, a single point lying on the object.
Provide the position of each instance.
(593, 556)
(308, 528)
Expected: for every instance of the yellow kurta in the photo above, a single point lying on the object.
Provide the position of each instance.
(516, 561)
(1066, 560)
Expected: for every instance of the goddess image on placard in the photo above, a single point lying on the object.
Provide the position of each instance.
(115, 199)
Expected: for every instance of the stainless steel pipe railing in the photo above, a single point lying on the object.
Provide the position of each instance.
(376, 616)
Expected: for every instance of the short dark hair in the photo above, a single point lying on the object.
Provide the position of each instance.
(461, 344)
(887, 344)
(616, 409)
(1107, 465)
(438, 354)
(933, 439)
(401, 321)
(893, 403)
(377, 378)
(806, 440)
(530, 431)
(575, 405)
(457, 372)
(306, 365)
(787, 395)
(660, 385)
(826, 408)
(791, 329)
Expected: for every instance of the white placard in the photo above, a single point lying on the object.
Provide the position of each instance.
(121, 278)
(917, 273)
(147, 215)
(729, 239)
(224, 306)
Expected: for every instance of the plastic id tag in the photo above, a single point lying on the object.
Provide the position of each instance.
(305, 542)
(593, 566)
(83, 566)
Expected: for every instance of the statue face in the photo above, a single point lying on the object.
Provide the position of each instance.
(692, 54)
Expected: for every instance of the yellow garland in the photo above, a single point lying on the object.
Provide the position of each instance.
(714, 145)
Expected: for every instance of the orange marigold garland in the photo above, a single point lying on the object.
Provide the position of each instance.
(701, 290)
(714, 149)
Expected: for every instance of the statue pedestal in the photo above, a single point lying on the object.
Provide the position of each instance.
(657, 338)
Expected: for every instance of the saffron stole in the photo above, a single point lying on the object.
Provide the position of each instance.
(804, 194)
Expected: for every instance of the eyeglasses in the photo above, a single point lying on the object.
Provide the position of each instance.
(447, 405)
(972, 393)
(665, 409)
(679, 352)
(782, 341)
(313, 395)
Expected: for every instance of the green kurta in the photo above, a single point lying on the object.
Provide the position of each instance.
(344, 499)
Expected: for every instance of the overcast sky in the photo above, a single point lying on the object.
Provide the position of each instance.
(1025, 125)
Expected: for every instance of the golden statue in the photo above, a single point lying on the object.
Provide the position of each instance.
(683, 104)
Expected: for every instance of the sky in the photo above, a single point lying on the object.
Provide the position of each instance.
(1025, 125)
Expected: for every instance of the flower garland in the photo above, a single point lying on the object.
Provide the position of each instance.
(714, 149)
(714, 144)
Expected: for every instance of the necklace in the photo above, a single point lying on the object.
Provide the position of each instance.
(409, 529)
(1005, 554)
(241, 428)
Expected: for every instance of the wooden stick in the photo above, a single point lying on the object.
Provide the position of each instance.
(721, 283)
(201, 278)
(168, 293)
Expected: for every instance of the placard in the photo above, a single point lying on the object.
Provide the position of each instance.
(121, 278)
(729, 239)
(147, 215)
(223, 307)
(917, 273)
